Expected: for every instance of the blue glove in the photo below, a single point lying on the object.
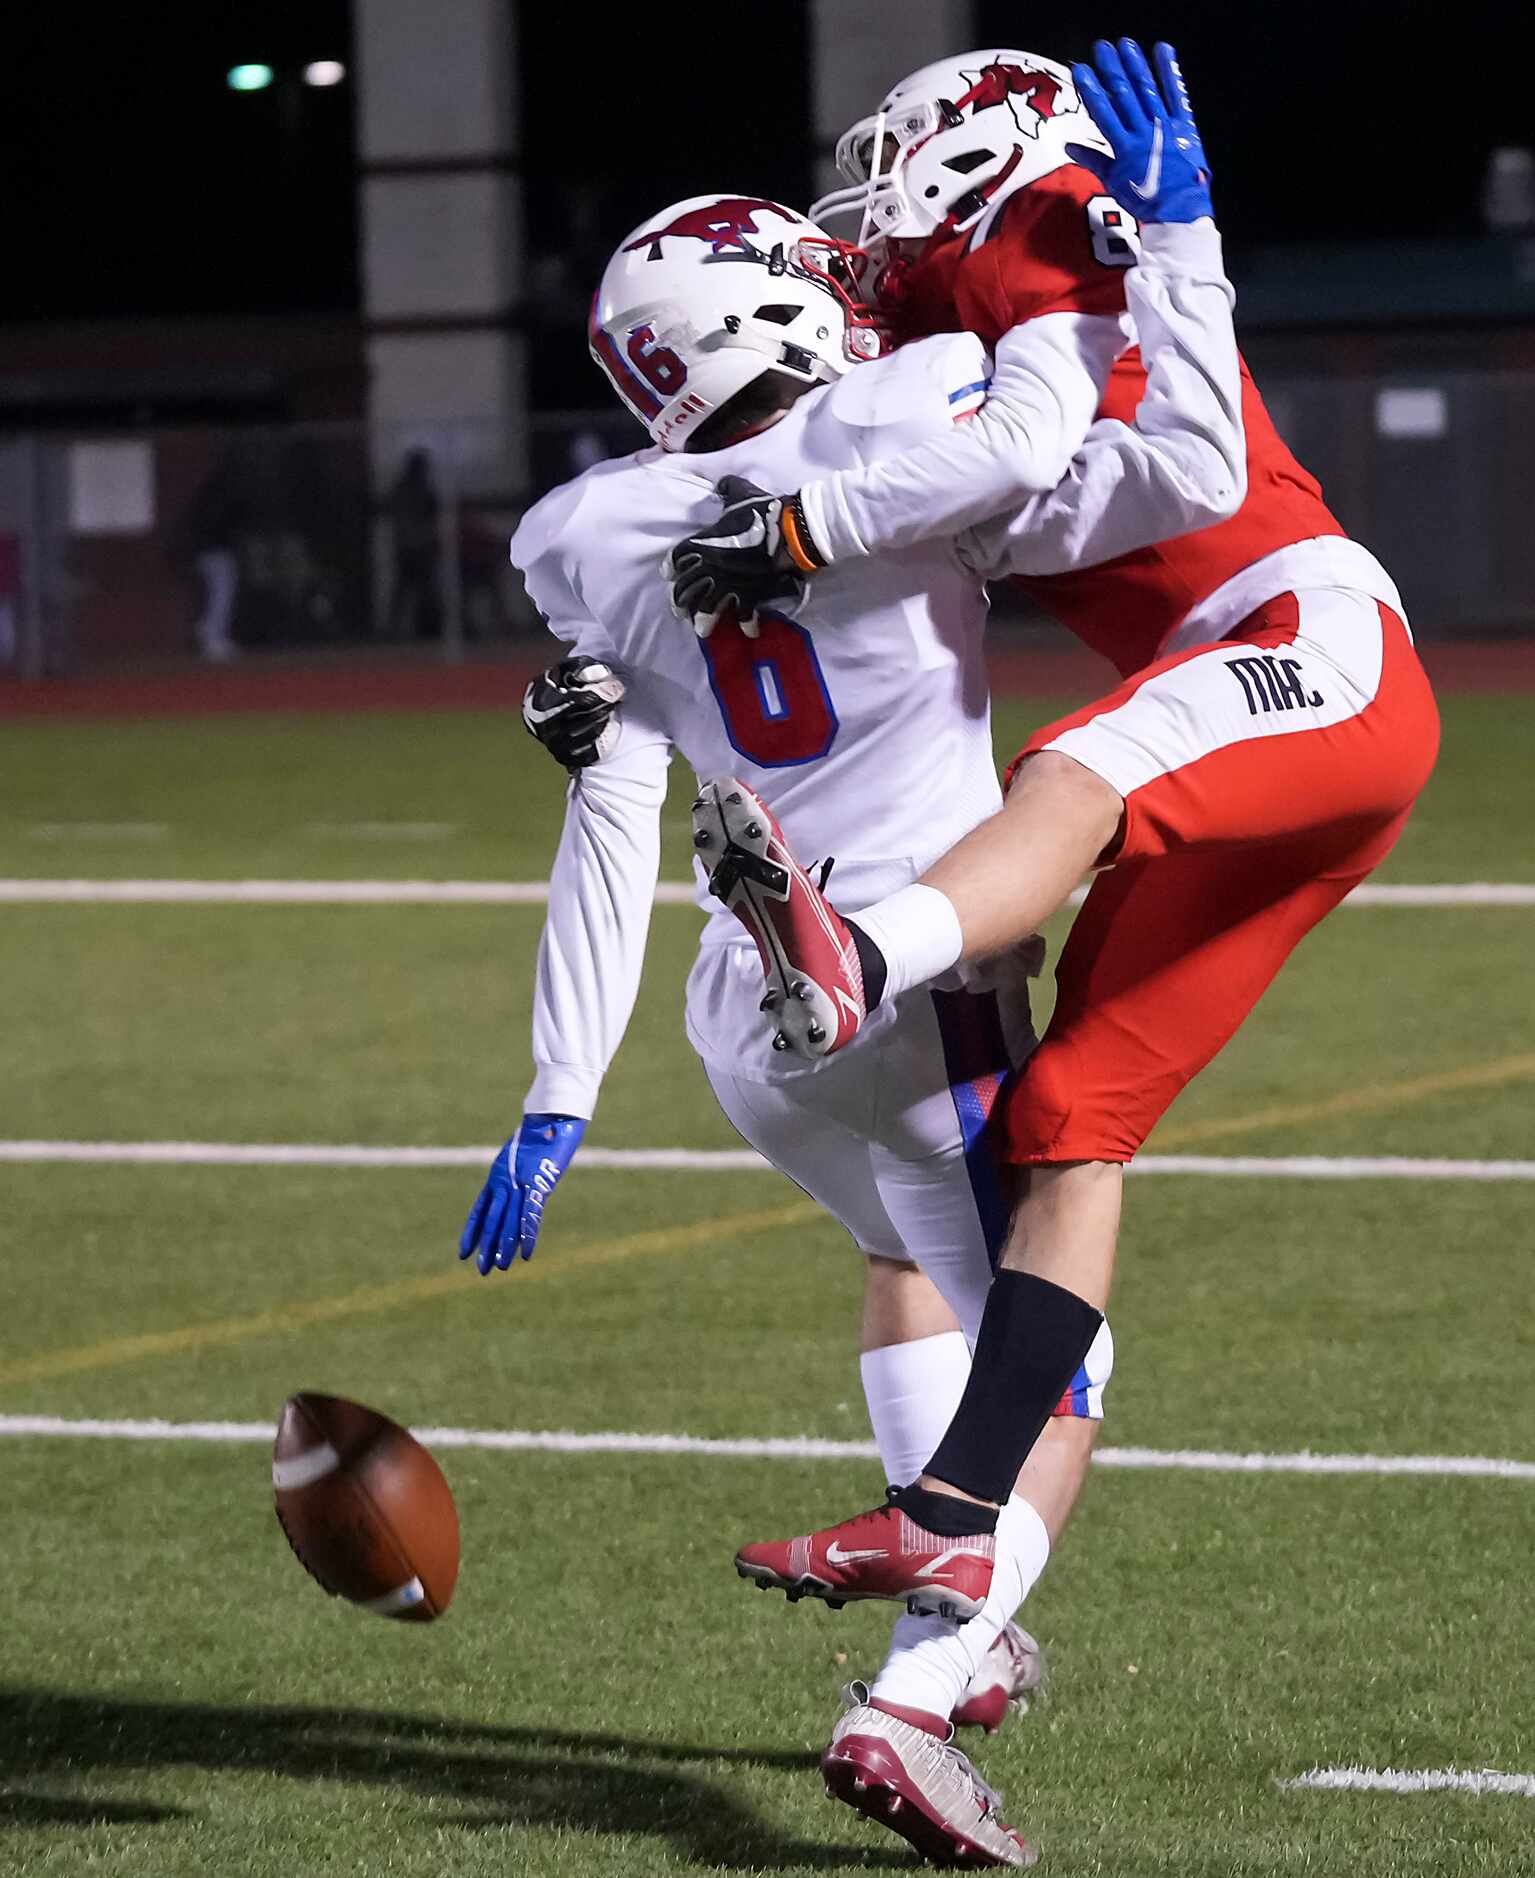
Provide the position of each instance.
(504, 1221)
(1158, 170)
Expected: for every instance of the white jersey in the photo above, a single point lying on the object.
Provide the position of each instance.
(863, 720)
(879, 674)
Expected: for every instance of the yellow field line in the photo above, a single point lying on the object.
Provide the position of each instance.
(551, 1264)
(1382, 1095)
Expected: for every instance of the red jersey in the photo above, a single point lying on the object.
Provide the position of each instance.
(1056, 247)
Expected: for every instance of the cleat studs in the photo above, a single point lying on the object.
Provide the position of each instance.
(780, 1041)
(734, 798)
(771, 1002)
(913, 1608)
(836, 1604)
(702, 838)
(860, 1786)
(816, 1034)
(893, 1805)
(754, 831)
(699, 804)
(802, 991)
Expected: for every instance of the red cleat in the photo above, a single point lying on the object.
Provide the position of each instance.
(919, 1786)
(1011, 1672)
(883, 1553)
(814, 996)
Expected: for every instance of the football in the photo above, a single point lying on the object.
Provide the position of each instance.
(365, 1508)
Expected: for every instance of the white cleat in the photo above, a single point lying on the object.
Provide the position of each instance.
(814, 998)
(902, 1777)
(1011, 1674)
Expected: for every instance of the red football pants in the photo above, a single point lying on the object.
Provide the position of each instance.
(1263, 778)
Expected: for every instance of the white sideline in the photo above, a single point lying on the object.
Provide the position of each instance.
(716, 1160)
(798, 1448)
(1430, 1780)
(536, 893)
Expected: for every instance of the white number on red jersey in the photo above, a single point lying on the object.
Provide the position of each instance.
(1116, 233)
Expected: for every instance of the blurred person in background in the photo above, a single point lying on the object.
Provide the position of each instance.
(217, 518)
(1508, 191)
(415, 601)
(10, 593)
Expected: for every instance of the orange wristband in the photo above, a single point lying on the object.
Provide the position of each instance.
(796, 538)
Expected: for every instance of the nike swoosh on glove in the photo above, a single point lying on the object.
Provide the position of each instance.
(760, 550)
(1158, 170)
(572, 709)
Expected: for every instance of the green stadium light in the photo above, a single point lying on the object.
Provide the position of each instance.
(249, 77)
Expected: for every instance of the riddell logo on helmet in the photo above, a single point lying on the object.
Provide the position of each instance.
(1032, 97)
(723, 224)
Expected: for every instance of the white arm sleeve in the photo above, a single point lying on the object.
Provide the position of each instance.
(600, 895)
(1047, 383)
(1184, 463)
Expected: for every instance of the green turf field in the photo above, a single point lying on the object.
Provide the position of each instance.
(176, 1698)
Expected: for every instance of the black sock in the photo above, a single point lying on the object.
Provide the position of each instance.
(942, 1513)
(871, 962)
(1034, 1335)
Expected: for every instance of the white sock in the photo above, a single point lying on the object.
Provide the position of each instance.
(918, 932)
(932, 1660)
(912, 1390)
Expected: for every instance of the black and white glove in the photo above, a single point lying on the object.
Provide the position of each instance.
(758, 551)
(572, 709)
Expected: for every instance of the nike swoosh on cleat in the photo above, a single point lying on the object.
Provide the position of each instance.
(1146, 188)
(836, 1556)
(535, 716)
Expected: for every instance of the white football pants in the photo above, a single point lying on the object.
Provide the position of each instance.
(891, 1135)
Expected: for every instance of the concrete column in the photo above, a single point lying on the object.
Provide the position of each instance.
(861, 47)
(442, 235)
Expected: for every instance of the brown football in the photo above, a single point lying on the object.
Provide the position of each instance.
(365, 1507)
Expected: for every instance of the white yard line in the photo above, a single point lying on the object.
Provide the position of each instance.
(381, 831)
(98, 831)
(1329, 1167)
(1430, 1780)
(1467, 893)
(1213, 1461)
(303, 1154)
(536, 893)
(714, 1160)
(801, 1448)
(300, 892)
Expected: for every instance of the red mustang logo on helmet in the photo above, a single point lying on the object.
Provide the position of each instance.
(1039, 93)
(723, 224)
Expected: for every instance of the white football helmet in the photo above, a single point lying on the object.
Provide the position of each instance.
(707, 296)
(954, 139)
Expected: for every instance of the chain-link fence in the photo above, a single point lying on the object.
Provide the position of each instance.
(204, 543)
(209, 543)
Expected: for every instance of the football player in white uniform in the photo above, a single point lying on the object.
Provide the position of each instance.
(726, 324)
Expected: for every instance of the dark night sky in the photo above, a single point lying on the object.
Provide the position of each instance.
(136, 183)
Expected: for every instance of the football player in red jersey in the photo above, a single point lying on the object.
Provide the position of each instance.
(1260, 758)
